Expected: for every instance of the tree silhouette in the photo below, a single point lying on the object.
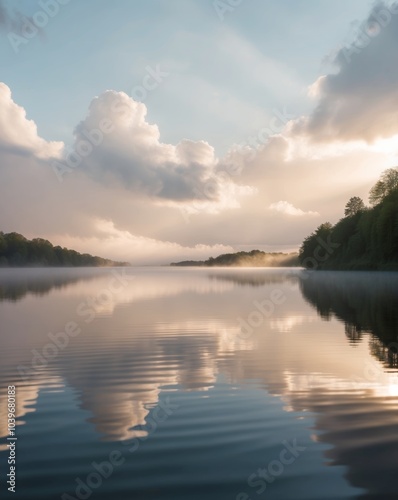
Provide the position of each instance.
(354, 205)
(385, 186)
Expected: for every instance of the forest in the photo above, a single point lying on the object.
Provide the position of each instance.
(254, 258)
(366, 238)
(18, 251)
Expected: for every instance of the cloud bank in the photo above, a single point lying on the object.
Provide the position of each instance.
(359, 101)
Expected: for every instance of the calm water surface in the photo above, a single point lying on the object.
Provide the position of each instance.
(197, 384)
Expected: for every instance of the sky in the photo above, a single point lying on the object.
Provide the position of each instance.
(159, 131)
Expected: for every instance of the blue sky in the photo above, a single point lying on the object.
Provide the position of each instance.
(199, 162)
(94, 45)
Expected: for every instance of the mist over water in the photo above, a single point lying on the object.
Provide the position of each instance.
(200, 378)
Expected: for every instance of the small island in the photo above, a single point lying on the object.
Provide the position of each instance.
(18, 251)
(255, 258)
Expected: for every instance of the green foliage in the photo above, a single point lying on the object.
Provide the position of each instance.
(255, 258)
(17, 251)
(387, 184)
(313, 244)
(364, 238)
(354, 205)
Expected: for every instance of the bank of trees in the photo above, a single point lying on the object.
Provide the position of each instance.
(17, 251)
(254, 258)
(365, 238)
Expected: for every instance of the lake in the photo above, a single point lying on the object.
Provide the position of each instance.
(192, 384)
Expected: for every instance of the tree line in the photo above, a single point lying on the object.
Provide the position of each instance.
(365, 238)
(254, 258)
(18, 251)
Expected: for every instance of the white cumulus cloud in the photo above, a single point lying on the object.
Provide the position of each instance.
(19, 135)
(116, 146)
(284, 207)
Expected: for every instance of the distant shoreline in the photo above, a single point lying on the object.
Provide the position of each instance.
(18, 251)
(255, 258)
